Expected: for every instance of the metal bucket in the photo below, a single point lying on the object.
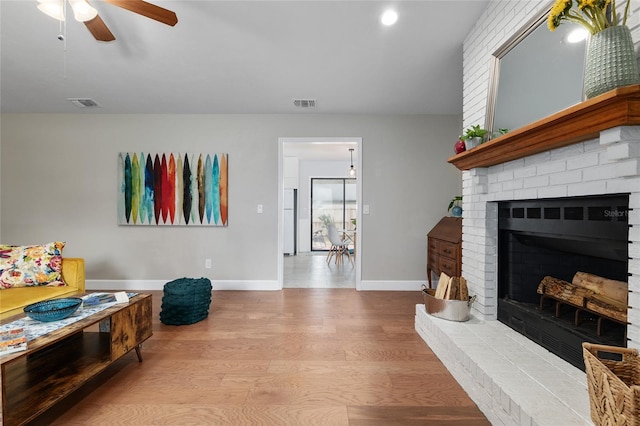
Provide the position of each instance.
(453, 310)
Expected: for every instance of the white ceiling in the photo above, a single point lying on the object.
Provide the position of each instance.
(240, 57)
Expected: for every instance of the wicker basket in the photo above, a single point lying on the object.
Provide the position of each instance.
(614, 386)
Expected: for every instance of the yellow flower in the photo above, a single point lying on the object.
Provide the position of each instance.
(558, 11)
(586, 3)
(591, 14)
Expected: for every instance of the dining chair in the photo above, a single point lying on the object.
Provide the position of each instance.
(339, 247)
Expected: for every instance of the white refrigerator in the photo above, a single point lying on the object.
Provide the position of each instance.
(290, 221)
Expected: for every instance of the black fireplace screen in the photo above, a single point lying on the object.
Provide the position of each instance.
(559, 237)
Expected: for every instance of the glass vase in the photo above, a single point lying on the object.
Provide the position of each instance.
(611, 61)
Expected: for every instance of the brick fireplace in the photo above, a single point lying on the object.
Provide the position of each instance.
(607, 165)
(589, 150)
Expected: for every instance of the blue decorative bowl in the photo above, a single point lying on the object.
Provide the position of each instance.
(53, 310)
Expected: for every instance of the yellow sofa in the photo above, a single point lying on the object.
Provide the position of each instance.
(12, 300)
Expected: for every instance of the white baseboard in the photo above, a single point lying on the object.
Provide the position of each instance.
(141, 285)
(381, 285)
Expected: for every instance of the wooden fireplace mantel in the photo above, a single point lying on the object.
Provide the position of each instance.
(619, 107)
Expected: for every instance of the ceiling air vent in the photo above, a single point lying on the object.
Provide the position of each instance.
(304, 103)
(83, 102)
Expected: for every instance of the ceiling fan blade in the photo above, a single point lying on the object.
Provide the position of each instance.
(99, 29)
(149, 10)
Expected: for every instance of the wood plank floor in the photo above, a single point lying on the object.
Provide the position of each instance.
(291, 357)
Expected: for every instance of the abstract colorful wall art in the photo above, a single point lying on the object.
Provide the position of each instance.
(172, 189)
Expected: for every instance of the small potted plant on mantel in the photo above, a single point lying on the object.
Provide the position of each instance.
(454, 206)
(474, 136)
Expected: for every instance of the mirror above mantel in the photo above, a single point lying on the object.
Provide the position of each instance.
(536, 73)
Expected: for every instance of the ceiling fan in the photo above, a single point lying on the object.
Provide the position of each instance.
(84, 12)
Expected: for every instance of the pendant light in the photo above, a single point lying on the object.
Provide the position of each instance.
(352, 170)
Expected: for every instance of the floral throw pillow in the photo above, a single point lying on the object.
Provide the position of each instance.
(28, 266)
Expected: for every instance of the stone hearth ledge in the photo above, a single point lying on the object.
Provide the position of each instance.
(513, 380)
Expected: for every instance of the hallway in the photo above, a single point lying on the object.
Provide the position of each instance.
(310, 270)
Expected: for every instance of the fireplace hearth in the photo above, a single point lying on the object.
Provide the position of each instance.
(559, 237)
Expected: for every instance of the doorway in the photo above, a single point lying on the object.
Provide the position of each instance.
(320, 159)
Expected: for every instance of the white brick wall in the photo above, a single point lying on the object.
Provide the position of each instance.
(605, 166)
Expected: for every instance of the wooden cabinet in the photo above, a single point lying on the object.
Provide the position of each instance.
(444, 248)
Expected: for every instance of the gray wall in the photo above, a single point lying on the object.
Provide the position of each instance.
(58, 182)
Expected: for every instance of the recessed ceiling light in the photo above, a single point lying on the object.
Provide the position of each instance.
(389, 17)
(577, 35)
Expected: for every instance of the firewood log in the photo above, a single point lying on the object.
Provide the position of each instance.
(452, 290)
(563, 291)
(464, 289)
(612, 289)
(443, 285)
(607, 308)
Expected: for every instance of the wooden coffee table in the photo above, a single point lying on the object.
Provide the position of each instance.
(58, 363)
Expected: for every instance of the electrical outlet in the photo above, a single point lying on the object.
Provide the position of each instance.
(207, 263)
(260, 208)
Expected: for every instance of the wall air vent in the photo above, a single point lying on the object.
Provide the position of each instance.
(304, 103)
(84, 102)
